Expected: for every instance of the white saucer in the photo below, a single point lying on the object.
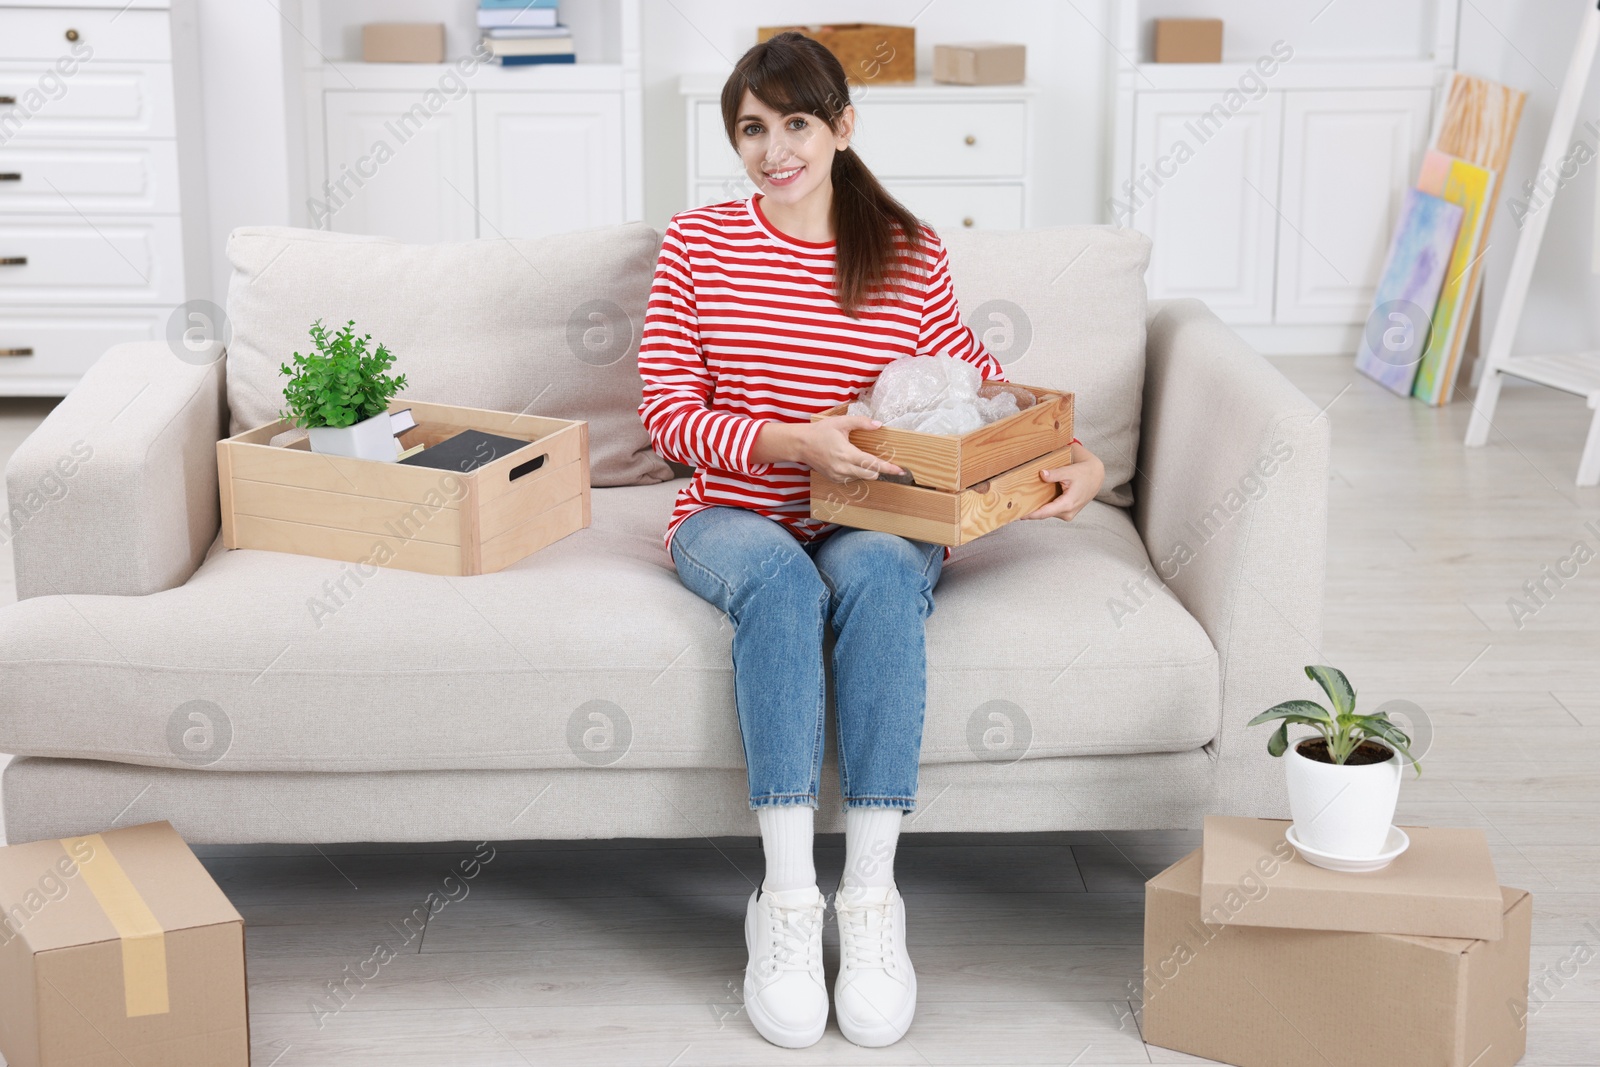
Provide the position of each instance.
(1396, 843)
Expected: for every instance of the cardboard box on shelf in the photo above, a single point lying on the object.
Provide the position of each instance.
(979, 63)
(869, 52)
(965, 486)
(1188, 40)
(1265, 997)
(1444, 885)
(118, 950)
(402, 42)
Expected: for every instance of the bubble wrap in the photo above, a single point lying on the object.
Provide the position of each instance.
(934, 394)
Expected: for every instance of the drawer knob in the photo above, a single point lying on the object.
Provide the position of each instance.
(16, 351)
(971, 139)
(967, 222)
(13, 261)
(72, 35)
(10, 176)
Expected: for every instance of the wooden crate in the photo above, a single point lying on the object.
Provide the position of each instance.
(291, 499)
(965, 486)
(868, 51)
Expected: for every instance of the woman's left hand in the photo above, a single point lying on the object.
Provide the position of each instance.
(1080, 481)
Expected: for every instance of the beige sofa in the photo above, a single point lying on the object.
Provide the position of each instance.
(1088, 675)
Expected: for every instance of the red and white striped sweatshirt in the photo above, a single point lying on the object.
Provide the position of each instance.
(742, 328)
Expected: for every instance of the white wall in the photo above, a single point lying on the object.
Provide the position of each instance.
(252, 120)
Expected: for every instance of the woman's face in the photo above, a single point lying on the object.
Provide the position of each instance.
(788, 157)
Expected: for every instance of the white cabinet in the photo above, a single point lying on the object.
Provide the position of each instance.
(426, 152)
(1348, 157)
(94, 249)
(1203, 191)
(395, 172)
(958, 156)
(548, 162)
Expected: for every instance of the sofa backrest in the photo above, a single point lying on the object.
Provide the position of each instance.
(1064, 308)
(547, 326)
(551, 325)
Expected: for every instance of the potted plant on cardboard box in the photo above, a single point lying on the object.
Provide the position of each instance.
(1344, 780)
(341, 392)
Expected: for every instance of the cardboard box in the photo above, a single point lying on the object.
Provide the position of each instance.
(869, 52)
(402, 42)
(1260, 997)
(1188, 40)
(965, 486)
(290, 499)
(118, 950)
(979, 63)
(1444, 885)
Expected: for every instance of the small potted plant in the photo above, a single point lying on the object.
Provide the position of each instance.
(1344, 780)
(341, 392)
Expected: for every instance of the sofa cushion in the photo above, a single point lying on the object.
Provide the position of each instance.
(548, 326)
(1047, 639)
(1065, 308)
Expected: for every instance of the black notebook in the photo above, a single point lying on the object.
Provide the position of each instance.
(466, 451)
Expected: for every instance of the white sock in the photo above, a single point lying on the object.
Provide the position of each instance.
(870, 836)
(786, 839)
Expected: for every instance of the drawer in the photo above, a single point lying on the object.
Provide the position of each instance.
(970, 139)
(950, 206)
(101, 34)
(113, 100)
(714, 157)
(119, 259)
(67, 344)
(126, 177)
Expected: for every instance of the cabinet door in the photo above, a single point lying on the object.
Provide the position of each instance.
(1205, 185)
(548, 162)
(397, 169)
(1348, 157)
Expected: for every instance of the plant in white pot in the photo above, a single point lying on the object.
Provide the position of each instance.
(1344, 780)
(341, 392)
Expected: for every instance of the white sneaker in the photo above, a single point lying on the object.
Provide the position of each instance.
(875, 995)
(785, 993)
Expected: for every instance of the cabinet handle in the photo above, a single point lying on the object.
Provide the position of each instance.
(72, 35)
(13, 261)
(8, 101)
(967, 222)
(11, 176)
(16, 351)
(971, 139)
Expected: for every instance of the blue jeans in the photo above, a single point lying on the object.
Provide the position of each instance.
(877, 588)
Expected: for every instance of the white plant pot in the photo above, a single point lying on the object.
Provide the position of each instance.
(368, 439)
(1344, 810)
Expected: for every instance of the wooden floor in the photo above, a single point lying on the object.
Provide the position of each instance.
(631, 952)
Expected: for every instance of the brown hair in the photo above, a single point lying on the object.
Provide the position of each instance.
(791, 73)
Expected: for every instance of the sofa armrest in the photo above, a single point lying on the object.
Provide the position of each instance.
(116, 490)
(1231, 499)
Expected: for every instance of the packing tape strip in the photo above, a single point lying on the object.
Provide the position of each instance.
(144, 942)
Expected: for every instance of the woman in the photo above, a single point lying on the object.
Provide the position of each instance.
(762, 312)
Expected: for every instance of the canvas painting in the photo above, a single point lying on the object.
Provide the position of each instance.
(1400, 327)
(1472, 187)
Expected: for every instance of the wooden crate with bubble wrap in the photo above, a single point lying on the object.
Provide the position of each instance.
(961, 486)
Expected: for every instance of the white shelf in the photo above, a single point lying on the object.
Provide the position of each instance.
(487, 77)
(710, 84)
(1295, 74)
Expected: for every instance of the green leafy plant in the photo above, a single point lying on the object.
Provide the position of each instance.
(340, 383)
(1342, 729)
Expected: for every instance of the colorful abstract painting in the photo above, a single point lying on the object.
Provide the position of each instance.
(1399, 329)
(1472, 187)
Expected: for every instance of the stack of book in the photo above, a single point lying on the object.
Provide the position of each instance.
(522, 32)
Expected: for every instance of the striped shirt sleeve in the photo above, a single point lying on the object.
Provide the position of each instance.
(681, 424)
(942, 331)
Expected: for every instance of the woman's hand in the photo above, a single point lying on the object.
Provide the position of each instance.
(824, 446)
(1080, 480)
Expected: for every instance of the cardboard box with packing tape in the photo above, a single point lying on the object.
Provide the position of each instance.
(118, 949)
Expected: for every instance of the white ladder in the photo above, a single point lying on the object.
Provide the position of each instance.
(1577, 372)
